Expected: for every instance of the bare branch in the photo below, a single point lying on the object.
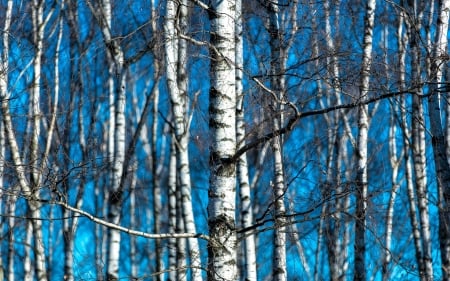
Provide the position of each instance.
(300, 115)
(125, 229)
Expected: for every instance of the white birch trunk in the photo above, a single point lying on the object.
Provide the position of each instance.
(338, 250)
(11, 236)
(363, 127)
(117, 90)
(222, 123)
(28, 266)
(181, 243)
(440, 55)
(415, 223)
(249, 245)
(35, 123)
(157, 205)
(4, 66)
(419, 159)
(403, 41)
(395, 163)
(172, 200)
(344, 160)
(176, 59)
(279, 271)
(157, 208)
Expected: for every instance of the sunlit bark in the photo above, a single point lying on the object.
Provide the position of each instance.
(395, 165)
(249, 247)
(176, 60)
(361, 155)
(117, 124)
(279, 271)
(419, 152)
(28, 265)
(222, 124)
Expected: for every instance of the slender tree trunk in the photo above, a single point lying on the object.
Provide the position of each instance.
(419, 159)
(34, 154)
(133, 253)
(395, 163)
(4, 66)
(440, 54)
(172, 186)
(344, 160)
(117, 90)
(363, 126)
(249, 256)
(279, 272)
(28, 266)
(222, 107)
(403, 41)
(334, 241)
(181, 244)
(11, 235)
(157, 205)
(176, 59)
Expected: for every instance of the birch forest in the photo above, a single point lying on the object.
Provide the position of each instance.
(224, 140)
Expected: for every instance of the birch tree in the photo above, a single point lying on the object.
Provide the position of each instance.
(117, 90)
(176, 60)
(222, 124)
(4, 67)
(249, 247)
(440, 55)
(363, 126)
(277, 81)
(419, 146)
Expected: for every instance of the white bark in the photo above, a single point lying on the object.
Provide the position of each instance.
(415, 223)
(395, 161)
(157, 208)
(157, 205)
(4, 66)
(338, 251)
(176, 59)
(222, 123)
(249, 246)
(11, 236)
(363, 126)
(129, 230)
(28, 266)
(172, 201)
(403, 41)
(181, 242)
(279, 271)
(440, 55)
(419, 159)
(31, 190)
(117, 90)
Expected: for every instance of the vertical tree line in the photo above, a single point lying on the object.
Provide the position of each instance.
(224, 140)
